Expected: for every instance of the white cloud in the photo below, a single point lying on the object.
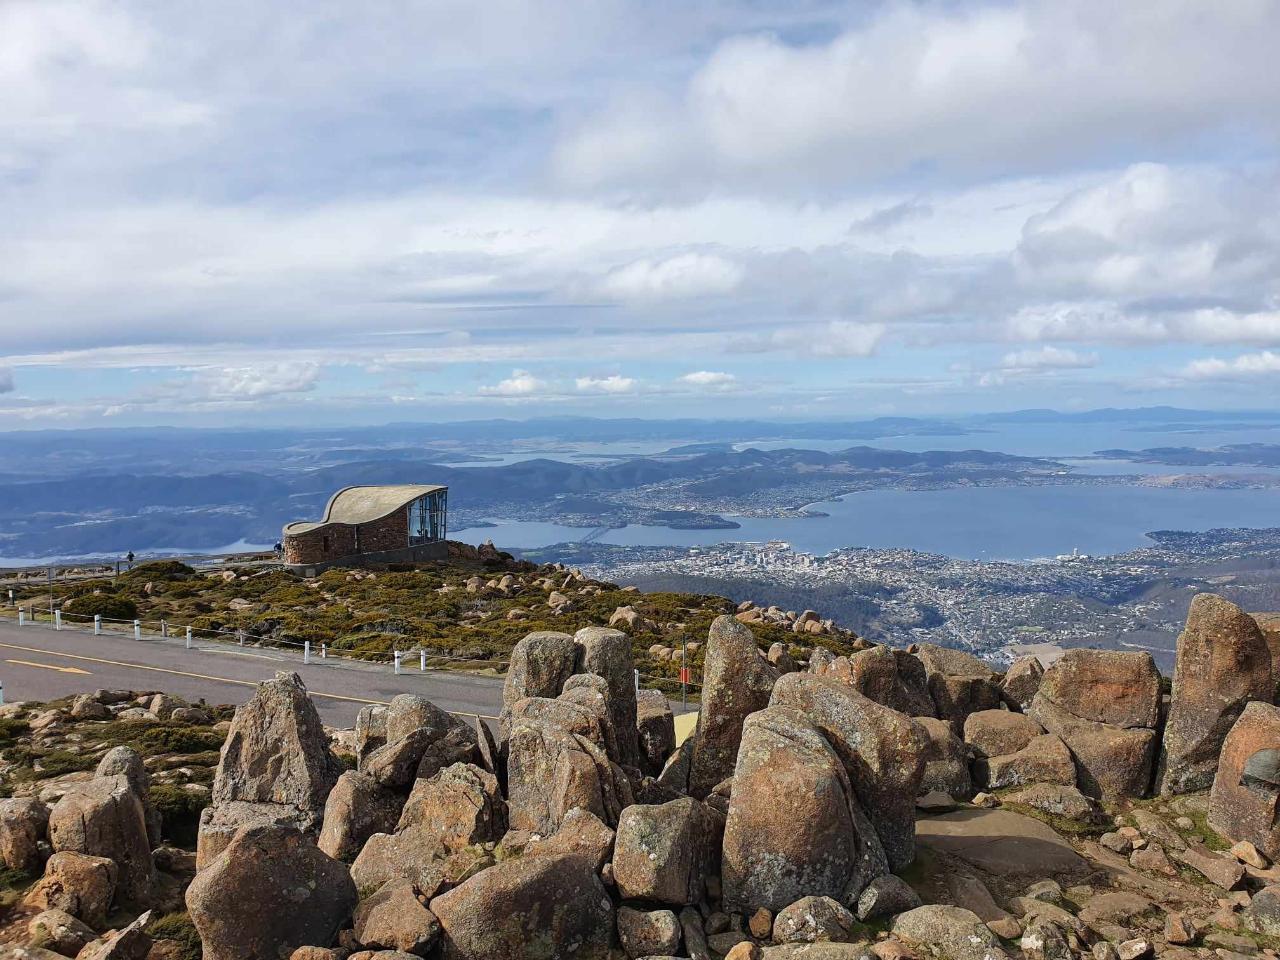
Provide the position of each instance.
(611, 384)
(836, 338)
(6, 380)
(521, 383)
(676, 278)
(946, 88)
(1247, 366)
(256, 382)
(709, 379)
(1048, 358)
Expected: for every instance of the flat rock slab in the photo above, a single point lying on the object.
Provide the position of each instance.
(1000, 842)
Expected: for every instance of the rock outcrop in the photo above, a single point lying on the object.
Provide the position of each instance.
(1244, 803)
(795, 827)
(1223, 663)
(270, 891)
(1112, 737)
(736, 682)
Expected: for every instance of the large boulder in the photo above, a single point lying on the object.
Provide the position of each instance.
(883, 751)
(540, 664)
(104, 817)
(959, 684)
(422, 739)
(126, 761)
(607, 653)
(394, 919)
(551, 771)
(994, 733)
(534, 906)
(460, 805)
(1111, 761)
(357, 808)
(277, 752)
(268, 893)
(946, 766)
(1022, 682)
(736, 681)
(664, 852)
(1223, 662)
(795, 827)
(1045, 759)
(893, 678)
(78, 884)
(1245, 799)
(645, 933)
(656, 730)
(24, 822)
(219, 824)
(953, 931)
(414, 854)
(1105, 686)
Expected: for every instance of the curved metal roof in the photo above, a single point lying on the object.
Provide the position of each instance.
(365, 503)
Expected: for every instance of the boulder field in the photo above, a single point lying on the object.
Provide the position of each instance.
(887, 805)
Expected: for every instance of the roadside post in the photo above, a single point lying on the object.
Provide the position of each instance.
(57, 619)
(306, 651)
(422, 661)
(97, 624)
(22, 617)
(395, 655)
(324, 653)
(684, 677)
(188, 638)
(1, 693)
(137, 629)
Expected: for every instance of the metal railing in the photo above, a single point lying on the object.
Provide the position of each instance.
(140, 629)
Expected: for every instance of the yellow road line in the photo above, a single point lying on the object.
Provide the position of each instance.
(48, 666)
(205, 676)
(241, 653)
(176, 673)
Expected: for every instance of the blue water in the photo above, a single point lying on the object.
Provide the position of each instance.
(988, 523)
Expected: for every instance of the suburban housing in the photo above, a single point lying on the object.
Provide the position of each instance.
(372, 524)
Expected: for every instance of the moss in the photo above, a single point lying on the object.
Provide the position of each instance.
(10, 729)
(178, 738)
(177, 926)
(179, 811)
(109, 606)
(13, 884)
(1063, 825)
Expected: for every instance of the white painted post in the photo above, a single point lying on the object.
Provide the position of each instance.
(1, 693)
(97, 624)
(137, 629)
(188, 638)
(324, 653)
(11, 598)
(637, 683)
(396, 655)
(306, 651)
(22, 617)
(422, 660)
(240, 637)
(164, 629)
(57, 619)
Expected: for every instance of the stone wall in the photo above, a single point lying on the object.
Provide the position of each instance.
(335, 541)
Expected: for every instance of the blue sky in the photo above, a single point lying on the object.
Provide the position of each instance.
(258, 212)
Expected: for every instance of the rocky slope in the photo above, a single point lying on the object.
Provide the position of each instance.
(886, 804)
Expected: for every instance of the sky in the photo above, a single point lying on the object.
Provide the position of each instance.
(256, 212)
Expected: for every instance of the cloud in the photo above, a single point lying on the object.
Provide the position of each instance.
(1248, 366)
(521, 383)
(676, 278)
(6, 380)
(256, 382)
(1048, 358)
(943, 89)
(709, 379)
(610, 384)
(836, 338)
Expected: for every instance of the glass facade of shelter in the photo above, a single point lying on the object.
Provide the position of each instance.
(428, 518)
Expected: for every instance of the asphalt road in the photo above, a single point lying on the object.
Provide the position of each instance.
(39, 663)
